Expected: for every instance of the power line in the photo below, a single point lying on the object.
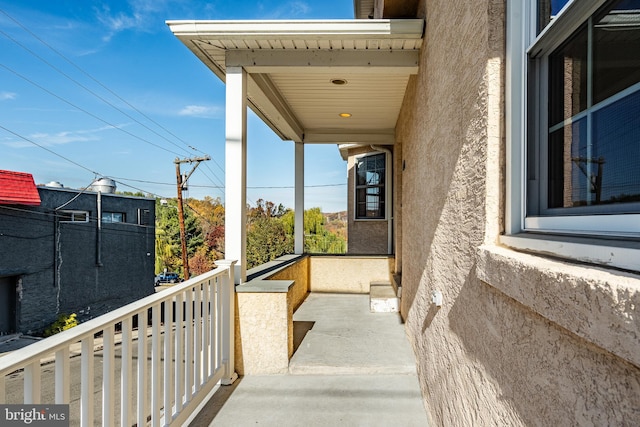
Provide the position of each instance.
(89, 90)
(95, 94)
(95, 173)
(85, 111)
(216, 186)
(54, 213)
(50, 151)
(98, 82)
(121, 180)
(118, 109)
(110, 91)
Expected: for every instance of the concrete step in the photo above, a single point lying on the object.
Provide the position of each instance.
(382, 298)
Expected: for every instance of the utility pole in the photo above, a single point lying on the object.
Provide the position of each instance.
(182, 185)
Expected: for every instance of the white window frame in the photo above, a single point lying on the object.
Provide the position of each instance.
(73, 214)
(384, 216)
(522, 42)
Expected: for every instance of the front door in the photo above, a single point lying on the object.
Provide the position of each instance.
(7, 305)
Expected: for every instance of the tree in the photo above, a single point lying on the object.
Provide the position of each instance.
(317, 238)
(168, 235)
(210, 215)
(270, 229)
(267, 237)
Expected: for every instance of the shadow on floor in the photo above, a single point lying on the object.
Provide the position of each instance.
(300, 329)
(217, 401)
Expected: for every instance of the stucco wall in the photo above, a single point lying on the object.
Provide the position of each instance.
(264, 317)
(298, 271)
(489, 355)
(348, 274)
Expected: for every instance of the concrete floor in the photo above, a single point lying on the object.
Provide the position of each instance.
(351, 368)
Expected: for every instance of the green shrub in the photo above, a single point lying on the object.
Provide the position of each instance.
(64, 322)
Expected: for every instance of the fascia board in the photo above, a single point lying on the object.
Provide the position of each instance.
(312, 29)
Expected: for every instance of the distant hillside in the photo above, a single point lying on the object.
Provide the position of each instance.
(336, 223)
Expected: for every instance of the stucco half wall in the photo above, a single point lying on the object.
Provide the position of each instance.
(493, 354)
(349, 274)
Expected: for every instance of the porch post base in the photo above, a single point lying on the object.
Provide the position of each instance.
(229, 381)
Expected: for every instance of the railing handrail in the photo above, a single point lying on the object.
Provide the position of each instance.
(40, 349)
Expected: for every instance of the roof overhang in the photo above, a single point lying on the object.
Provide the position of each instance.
(18, 188)
(293, 68)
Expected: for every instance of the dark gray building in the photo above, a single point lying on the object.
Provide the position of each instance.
(57, 257)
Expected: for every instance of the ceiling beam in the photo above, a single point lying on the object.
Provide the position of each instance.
(275, 110)
(287, 61)
(338, 136)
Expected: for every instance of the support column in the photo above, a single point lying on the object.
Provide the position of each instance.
(235, 196)
(298, 230)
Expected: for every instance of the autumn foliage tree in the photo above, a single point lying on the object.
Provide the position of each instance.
(269, 234)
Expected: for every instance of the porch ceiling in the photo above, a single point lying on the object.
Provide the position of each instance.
(291, 66)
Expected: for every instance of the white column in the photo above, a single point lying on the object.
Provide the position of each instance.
(298, 231)
(235, 196)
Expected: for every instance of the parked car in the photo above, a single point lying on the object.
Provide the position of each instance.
(167, 278)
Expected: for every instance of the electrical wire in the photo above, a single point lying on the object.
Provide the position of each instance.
(108, 90)
(98, 82)
(118, 109)
(86, 111)
(60, 214)
(49, 150)
(89, 90)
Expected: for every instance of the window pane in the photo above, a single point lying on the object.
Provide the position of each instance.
(616, 49)
(370, 181)
(361, 172)
(112, 217)
(605, 171)
(616, 132)
(80, 217)
(73, 216)
(567, 172)
(568, 79)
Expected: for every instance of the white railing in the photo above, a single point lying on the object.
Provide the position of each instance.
(190, 329)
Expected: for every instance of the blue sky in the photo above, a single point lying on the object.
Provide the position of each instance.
(63, 62)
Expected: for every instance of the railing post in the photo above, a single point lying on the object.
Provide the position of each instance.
(228, 320)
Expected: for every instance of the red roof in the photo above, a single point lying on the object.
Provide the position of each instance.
(18, 188)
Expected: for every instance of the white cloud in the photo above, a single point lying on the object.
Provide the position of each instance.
(4, 96)
(200, 111)
(290, 10)
(299, 8)
(140, 17)
(60, 138)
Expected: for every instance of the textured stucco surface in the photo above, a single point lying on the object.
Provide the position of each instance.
(299, 272)
(262, 341)
(602, 306)
(264, 321)
(487, 356)
(348, 274)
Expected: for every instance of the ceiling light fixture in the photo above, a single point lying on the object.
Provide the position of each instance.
(345, 115)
